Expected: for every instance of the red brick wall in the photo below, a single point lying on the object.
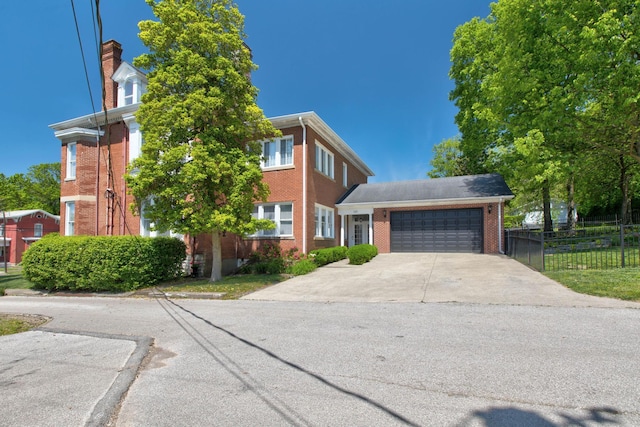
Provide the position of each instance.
(286, 186)
(92, 180)
(382, 225)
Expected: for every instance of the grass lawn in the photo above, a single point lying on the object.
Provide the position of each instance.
(15, 323)
(234, 287)
(620, 283)
(13, 280)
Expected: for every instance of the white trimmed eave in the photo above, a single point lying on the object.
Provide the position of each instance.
(421, 203)
(89, 121)
(77, 133)
(312, 119)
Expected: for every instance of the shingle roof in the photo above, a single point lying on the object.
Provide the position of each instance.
(437, 189)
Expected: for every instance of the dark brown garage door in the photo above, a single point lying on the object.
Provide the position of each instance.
(447, 230)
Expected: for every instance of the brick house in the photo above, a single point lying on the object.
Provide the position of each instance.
(314, 178)
(21, 229)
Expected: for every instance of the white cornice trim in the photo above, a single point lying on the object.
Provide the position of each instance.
(89, 120)
(77, 133)
(317, 124)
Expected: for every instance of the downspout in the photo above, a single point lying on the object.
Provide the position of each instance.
(500, 227)
(304, 185)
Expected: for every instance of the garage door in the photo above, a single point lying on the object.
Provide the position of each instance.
(447, 230)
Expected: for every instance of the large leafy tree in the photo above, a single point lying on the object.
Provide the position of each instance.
(556, 77)
(39, 188)
(199, 171)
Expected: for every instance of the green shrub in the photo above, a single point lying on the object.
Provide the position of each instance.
(102, 264)
(328, 255)
(301, 267)
(359, 254)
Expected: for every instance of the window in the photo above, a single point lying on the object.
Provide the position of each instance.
(128, 93)
(280, 213)
(70, 218)
(71, 160)
(324, 160)
(37, 230)
(1, 230)
(324, 221)
(277, 152)
(344, 175)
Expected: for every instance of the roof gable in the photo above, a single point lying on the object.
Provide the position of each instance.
(16, 215)
(126, 71)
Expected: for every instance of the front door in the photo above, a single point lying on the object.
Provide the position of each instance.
(358, 230)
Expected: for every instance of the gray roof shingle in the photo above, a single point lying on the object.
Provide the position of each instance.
(458, 187)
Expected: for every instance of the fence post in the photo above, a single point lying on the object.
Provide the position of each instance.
(542, 249)
(622, 245)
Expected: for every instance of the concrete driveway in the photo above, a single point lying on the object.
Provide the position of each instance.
(432, 277)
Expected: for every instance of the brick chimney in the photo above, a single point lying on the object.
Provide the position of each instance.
(111, 60)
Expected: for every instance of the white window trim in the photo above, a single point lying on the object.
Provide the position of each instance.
(345, 181)
(71, 165)
(325, 229)
(328, 168)
(69, 225)
(277, 220)
(137, 89)
(38, 230)
(278, 155)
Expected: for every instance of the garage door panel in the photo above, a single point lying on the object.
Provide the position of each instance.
(447, 230)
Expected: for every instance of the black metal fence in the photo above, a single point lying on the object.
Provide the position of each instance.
(598, 247)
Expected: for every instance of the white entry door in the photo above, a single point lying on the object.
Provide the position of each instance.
(358, 229)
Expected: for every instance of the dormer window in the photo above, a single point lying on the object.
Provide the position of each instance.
(132, 83)
(128, 93)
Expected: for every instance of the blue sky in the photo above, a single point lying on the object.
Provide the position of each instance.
(375, 71)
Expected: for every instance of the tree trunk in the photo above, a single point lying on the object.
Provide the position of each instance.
(571, 203)
(546, 206)
(216, 252)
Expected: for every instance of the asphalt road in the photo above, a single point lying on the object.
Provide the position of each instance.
(250, 363)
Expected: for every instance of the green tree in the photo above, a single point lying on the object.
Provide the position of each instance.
(39, 188)
(44, 190)
(199, 171)
(448, 159)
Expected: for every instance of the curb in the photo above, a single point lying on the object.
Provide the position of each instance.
(106, 408)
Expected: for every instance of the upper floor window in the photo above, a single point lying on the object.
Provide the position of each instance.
(128, 93)
(324, 160)
(37, 230)
(71, 160)
(70, 218)
(344, 175)
(1, 230)
(324, 222)
(280, 213)
(277, 152)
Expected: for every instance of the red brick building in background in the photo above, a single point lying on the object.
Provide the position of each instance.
(21, 229)
(319, 192)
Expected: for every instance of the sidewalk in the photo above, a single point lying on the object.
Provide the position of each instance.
(81, 383)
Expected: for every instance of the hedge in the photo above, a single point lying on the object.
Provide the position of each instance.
(328, 255)
(102, 264)
(359, 254)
